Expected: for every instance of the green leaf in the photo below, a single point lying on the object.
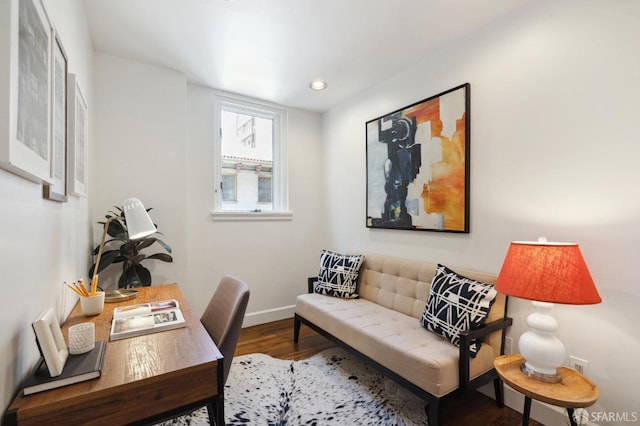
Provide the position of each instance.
(161, 256)
(135, 260)
(165, 245)
(108, 257)
(117, 230)
(144, 243)
(135, 276)
(129, 249)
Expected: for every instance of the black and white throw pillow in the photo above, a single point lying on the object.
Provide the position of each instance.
(455, 304)
(338, 274)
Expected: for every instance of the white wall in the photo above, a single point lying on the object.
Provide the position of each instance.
(43, 243)
(274, 258)
(155, 142)
(554, 152)
(140, 152)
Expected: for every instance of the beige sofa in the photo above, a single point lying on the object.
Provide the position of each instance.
(382, 326)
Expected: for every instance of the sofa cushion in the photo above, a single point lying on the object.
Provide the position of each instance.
(456, 304)
(338, 274)
(395, 340)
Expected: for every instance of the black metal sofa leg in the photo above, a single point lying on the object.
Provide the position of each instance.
(296, 329)
(433, 412)
(498, 387)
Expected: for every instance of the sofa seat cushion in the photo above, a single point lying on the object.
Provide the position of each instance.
(393, 339)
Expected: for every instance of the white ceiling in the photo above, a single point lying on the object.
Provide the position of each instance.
(272, 49)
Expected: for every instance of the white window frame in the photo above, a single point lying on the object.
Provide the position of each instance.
(280, 172)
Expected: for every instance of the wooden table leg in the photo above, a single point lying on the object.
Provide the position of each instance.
(527, 411)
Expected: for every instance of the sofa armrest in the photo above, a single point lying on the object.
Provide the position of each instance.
(311, 281)
(465, 341)
(485, 330)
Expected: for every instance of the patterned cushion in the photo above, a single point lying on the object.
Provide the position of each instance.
(455, 304)
(338, 274)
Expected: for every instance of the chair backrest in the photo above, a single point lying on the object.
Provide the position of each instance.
(224, 315)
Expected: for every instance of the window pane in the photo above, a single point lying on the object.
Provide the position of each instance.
(247, 155)
(250, 145)
(228, 187)
(264, 189)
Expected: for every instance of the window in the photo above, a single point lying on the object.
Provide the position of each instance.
(251, 160)
(264, 189)
(228, 188)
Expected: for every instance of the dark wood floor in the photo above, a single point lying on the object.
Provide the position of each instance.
(276, 339)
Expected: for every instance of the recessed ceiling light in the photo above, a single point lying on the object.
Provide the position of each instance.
(318, 85)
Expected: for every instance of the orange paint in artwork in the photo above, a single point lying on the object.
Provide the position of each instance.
(427, 111)
(444, 194)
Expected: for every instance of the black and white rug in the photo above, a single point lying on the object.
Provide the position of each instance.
(330, 388)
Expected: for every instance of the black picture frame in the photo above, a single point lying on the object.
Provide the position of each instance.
(418, 165)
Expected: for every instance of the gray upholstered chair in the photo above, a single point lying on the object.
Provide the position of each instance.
(223, 320)
(224, 315)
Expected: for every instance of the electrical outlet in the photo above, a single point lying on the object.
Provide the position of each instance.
(579, 364)
(508, 345)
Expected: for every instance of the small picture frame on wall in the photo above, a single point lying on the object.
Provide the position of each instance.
(57, 190)
(77, 158)
(418, 165)
(25, 89)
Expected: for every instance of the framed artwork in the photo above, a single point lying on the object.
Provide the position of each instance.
(57, 190)
(77, 159)
(25, 90)
(418, 165)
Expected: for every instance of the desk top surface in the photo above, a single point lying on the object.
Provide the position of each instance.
(134, 364)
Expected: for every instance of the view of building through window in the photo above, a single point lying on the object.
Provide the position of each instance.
(247, 161)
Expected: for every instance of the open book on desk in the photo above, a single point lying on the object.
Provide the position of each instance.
(145, 308)
(145, 318)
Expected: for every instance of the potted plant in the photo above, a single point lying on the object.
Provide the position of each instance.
(120, 249)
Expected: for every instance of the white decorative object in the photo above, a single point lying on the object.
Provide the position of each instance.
(50, 341)
(139, 224)
(82, 338)
(92, 305)
(542, 350)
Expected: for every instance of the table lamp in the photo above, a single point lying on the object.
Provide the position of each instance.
(545, 273)
(139, 225)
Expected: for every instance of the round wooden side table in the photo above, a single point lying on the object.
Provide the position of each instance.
(574, 391)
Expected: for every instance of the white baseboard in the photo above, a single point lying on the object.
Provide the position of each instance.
(268, 315)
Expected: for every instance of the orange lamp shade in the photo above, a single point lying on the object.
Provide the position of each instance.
(547, 272)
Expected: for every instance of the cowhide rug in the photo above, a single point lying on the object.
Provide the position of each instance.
(330, 388)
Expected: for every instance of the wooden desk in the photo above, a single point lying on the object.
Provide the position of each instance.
(144, 379)
(574, 391)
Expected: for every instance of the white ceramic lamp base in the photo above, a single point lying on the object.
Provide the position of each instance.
(542, 350)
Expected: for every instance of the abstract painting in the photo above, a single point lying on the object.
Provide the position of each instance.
(418, 165)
